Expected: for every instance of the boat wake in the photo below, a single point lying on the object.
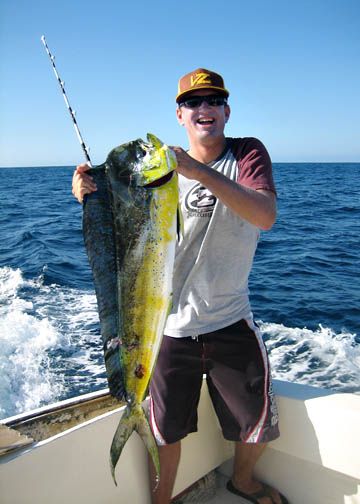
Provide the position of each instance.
(47, 352)
(320, 358)
(50, 347)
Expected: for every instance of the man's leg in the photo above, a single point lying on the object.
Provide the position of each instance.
(169, 460)
(175, 391)
(246, 456)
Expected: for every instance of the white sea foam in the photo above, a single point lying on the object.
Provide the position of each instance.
(10, 281)
(26, 379)
(320, 358)
(50, 347)
(46, 353)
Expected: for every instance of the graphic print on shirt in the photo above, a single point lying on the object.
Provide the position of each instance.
(199, 202)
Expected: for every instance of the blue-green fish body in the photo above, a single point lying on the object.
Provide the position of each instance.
(130, 228)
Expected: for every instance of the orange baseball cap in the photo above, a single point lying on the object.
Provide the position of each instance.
(200, 79)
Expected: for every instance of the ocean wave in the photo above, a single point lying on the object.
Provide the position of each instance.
(321, 358)
(50, 347)
(27, 379)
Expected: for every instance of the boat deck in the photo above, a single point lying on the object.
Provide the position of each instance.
(210, 490)
(222, 495)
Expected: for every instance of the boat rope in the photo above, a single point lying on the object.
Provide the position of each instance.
(71, 111)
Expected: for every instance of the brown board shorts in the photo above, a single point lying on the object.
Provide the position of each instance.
(235, 362)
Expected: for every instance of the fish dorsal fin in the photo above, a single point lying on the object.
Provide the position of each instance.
(157, 143)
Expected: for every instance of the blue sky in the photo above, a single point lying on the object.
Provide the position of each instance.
(292, 69)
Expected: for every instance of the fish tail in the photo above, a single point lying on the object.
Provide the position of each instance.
(134, 418)
(145, 432)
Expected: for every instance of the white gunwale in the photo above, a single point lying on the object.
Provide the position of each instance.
(316, 459)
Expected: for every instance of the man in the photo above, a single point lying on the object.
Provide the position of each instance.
(227, 196)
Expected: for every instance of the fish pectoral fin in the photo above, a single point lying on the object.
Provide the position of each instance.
(133, 419)
(179, 224)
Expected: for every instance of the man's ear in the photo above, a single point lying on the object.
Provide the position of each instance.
(179, 116)
(227, 112)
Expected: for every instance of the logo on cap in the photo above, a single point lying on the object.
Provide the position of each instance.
(200, 78)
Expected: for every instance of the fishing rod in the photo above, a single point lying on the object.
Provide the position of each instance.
(71, 111)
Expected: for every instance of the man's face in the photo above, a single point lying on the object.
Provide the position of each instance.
(205, 122)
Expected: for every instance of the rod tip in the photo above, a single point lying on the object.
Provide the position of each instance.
(42, 38)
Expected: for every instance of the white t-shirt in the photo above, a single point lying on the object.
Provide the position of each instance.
(214, 259)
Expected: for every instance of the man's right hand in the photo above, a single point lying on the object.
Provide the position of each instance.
(82, 183)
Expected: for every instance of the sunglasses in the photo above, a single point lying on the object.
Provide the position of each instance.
(196, 101)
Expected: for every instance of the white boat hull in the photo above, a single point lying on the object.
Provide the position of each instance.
(315, 461)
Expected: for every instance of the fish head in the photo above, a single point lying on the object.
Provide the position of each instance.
(142, 162)
(158, 161)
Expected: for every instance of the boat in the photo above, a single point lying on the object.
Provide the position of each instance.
(60, 453)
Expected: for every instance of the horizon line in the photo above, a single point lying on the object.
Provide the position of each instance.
(273, 162)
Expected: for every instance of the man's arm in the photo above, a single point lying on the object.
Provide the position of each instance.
(256, 206)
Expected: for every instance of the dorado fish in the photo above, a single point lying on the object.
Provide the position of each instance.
(130, 226)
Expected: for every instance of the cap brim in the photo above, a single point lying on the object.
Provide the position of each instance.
(220, 90)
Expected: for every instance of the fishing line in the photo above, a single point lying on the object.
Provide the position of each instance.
(71, 111)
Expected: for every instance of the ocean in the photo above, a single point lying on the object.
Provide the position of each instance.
(304, 287)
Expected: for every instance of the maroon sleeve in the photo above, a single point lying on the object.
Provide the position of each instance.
(255, 168)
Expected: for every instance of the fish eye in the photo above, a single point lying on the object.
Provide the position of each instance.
(142, 152)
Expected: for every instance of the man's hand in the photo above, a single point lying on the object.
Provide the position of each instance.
(82, 183)
(186, 165)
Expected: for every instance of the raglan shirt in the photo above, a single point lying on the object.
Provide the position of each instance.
(214, 259)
